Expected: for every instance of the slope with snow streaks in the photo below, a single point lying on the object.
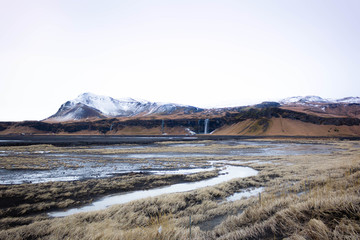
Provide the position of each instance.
(69, 112)
(350, 100)
(110, 106)
(89, 105)
(345, 107)
(300, 100)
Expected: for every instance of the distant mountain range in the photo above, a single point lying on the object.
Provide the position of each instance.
(92, 106)
(299, 100)
(91, 114)
(314, 105)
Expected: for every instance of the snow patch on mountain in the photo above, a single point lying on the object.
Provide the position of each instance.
(110, 106)
(311, 100)
(349, 100)
(303, 100)
(89, 105)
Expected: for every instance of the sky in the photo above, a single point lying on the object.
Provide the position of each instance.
(212, 53)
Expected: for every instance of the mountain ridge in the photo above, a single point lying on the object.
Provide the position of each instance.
(268, 121)
(317, 99)
(91, 114)
(93, 106)
(89, 105)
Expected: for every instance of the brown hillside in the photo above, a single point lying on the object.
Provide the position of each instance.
(250, 121)
(328, 110)
(286, 127)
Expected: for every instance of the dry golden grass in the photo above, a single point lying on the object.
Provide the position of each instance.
(286, 127)
(18, 202)
(314, 196)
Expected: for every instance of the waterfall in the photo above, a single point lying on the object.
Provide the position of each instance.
(206, 128)
(162, 126)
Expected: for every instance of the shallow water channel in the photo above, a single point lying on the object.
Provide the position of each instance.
(228, 173)
(77, 163)
(47, 163)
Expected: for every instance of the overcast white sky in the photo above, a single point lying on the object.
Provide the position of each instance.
(201, 53)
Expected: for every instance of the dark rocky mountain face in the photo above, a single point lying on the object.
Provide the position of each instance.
(77, 112)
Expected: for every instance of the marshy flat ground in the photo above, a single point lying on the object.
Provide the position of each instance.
(310, 190)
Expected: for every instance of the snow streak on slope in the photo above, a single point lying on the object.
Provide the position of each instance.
(349, 100)
(89, 105)
(110, 106)
(300, 100)
(303, 100)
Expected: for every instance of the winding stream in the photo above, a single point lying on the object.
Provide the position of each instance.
(228, 173)
(72, 164)
(78, 163)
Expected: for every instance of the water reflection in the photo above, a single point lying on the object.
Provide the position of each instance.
(82, 163)
(244, 194)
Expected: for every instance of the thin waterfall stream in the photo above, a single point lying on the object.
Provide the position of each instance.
(206, 127)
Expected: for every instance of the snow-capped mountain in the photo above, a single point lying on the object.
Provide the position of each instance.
(107, 105)
(89, 105)
(344, 107)
(349, 100)
(301, 100)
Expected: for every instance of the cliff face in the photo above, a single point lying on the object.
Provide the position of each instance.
(260, 121)
(284, 113)
(115, 126)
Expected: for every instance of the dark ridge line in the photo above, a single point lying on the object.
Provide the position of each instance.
(84, 140)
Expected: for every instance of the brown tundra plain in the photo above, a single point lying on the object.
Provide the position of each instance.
(307, 195)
